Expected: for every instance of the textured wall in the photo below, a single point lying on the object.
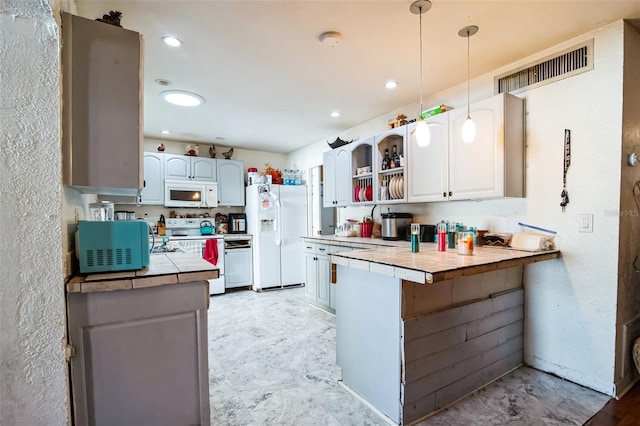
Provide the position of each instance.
(570, 303)
(32, 366)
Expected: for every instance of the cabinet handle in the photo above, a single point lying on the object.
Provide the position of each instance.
(444, 194)
(450, 193)
(144, 183)
(321, 249)
(308, 247)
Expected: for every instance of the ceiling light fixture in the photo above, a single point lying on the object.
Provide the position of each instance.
(182, 98)
(163, 82)
(391, 84)
(468, 128)
(335, 114)
(172, 41)
(421, 131)
(165, 132)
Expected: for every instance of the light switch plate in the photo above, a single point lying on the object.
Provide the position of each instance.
(585, 223)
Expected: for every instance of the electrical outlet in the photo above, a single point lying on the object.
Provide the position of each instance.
(585, 223)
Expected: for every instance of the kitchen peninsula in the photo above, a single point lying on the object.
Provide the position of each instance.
(138, 343)
(417, 331)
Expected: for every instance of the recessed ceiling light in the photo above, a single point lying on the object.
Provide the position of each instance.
(330, 38)
(182, 98)
(165, 132)
(391, 84)
(335, 114)
(163, 82)
(172, 41)
(219, 138)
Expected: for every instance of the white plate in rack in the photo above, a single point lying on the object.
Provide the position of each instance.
(401, 187)
(394, 187)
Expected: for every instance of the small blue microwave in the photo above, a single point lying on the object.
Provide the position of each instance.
(120, 245)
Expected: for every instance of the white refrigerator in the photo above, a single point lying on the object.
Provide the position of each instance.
(277, 218)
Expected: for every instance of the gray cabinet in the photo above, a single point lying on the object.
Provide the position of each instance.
(230, 182)
(184, 167)
(153, 192)
(140, 356)
(318, 287)
(101, 108)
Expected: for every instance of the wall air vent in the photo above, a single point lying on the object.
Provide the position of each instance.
(572, 61)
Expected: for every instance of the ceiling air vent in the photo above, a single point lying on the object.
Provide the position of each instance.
(572, 61)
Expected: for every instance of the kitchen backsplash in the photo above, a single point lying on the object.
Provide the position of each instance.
(153, 212)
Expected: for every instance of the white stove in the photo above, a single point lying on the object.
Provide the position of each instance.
(184, 233)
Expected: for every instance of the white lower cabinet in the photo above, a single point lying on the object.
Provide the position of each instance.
(318, 287)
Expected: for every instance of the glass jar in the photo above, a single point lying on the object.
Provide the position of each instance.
(465, 243)
(101, 211)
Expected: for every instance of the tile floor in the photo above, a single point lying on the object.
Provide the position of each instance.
(272, 362)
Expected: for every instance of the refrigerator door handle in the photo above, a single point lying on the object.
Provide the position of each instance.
(279, 223)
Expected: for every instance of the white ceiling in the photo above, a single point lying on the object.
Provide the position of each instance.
(270, 85)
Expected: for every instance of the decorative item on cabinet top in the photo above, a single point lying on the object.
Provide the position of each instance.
(338, 143)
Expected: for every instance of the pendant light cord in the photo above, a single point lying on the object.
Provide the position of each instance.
(421, 78)
(468, 77)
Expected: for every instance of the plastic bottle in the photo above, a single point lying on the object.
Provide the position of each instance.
(286, 177)
(298, 177)
(442, 236)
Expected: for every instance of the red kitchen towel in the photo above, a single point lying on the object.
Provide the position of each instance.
(211, 250)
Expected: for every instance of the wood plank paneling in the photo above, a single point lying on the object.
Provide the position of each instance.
(453, 373)
(477, 380)
(453, 355)
(493, 322)
(415, 328)
(435, 342)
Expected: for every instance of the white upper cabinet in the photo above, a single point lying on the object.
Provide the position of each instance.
(491, 166)
(153, 191)
(230, 182)
(337, 176)
(184, 167)
(428, 170)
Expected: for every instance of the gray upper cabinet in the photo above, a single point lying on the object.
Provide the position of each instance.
(153, 192)
(230, 183)
(101, 109)
(184, 167)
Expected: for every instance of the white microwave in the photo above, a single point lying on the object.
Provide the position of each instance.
(190, 193)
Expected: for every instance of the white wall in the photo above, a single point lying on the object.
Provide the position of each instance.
(571, 302)
(32, 366)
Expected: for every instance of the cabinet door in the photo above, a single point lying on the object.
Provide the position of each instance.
(203, 169)
(177, 167)
(230, 182)
(135, 342)
(153, 192)
(238, 268)
(311, 283)
(343, 176)
(427, 167)
(476, 170)
(102, 107)
(323, 279)
(329, 178)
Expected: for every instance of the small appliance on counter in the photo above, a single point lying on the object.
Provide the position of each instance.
(426, 235)
(394, 225)
(237, 223)
(107, 246)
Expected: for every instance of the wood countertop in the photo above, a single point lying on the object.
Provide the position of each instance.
(430, 265)
(163, 269)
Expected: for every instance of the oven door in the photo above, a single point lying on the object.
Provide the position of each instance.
(183, 194)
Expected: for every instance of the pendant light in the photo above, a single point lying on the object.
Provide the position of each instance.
(421, 131)
(468, 128)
